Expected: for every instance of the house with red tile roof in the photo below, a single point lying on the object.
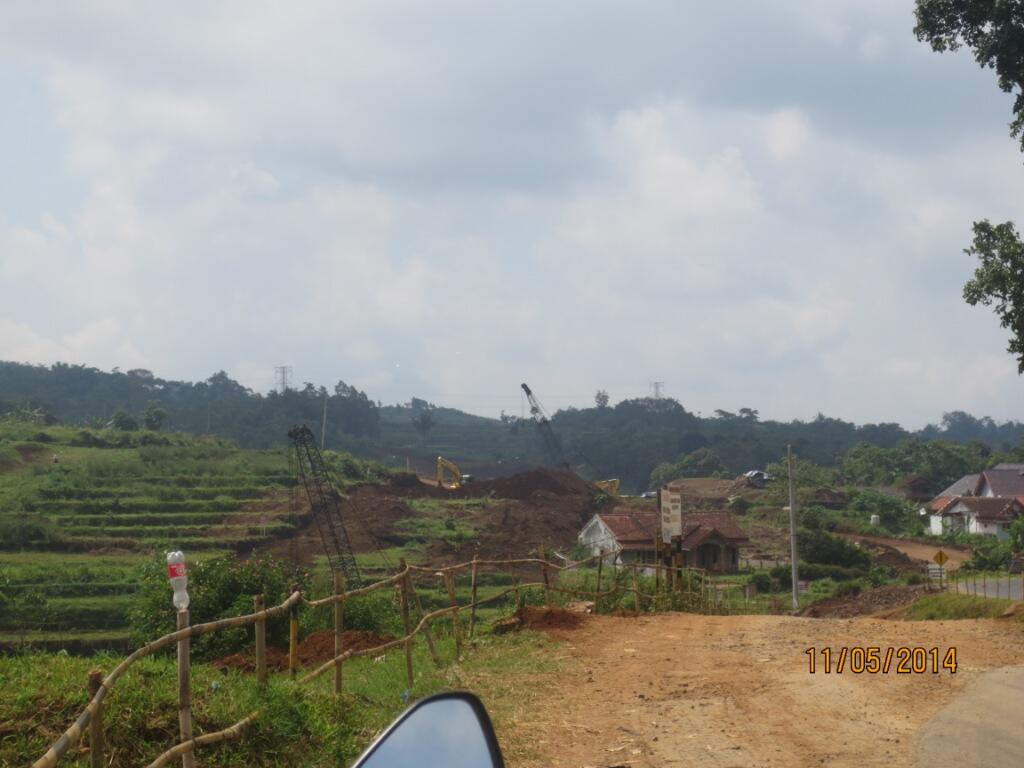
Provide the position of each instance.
(709, 540)
(986, 503)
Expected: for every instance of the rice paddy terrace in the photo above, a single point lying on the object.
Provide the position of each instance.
(73, 532)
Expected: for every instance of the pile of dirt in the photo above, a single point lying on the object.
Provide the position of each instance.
(531, 617)
(866, 603)
(319, 646)
(313, 651)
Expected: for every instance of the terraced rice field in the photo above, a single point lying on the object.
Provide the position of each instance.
(74, 533)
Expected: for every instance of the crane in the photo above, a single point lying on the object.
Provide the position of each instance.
(540, 418)
(554, 447)
(324, 502)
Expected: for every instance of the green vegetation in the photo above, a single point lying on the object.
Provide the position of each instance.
(946, 605)
(628, 440)
(300, 724)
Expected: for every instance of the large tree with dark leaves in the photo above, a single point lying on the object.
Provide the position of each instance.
(994, 31)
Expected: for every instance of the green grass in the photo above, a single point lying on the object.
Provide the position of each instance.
(300, 725)
(953, 606)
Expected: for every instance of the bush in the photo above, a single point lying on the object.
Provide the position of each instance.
(991, 555)
(763, 582)
(218, 588)
(817, 546)
(17, 531)
(814, 572)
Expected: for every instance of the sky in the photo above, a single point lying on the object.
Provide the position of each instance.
(760, 204)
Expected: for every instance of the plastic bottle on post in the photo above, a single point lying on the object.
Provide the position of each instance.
(178, 576)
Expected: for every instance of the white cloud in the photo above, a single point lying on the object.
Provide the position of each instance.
(360, 191)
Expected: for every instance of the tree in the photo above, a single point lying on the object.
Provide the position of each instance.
(993, 30)
(423, 421)
(154, 417)
(601, 398)
(999, 280)
(124, 421)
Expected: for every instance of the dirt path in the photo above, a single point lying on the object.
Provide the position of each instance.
(680, 689)
(917, 550)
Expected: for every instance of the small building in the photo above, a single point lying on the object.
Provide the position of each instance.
(709, 540)
(986, 515)
(627, 536)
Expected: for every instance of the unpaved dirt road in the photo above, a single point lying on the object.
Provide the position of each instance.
(917, 550)
(724, 691)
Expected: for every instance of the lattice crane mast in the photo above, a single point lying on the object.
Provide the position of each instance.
(540, 418)
(325, 504)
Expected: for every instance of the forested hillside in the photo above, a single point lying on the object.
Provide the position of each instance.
(629, 440)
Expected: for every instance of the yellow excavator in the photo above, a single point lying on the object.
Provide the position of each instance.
(449, 476)
(610, 487)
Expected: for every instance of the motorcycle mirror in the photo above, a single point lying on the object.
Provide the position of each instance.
(449, 730)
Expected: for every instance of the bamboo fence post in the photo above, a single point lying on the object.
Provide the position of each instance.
(472, 609)
(188, 759)
(426, 627)
(261, 642)
(519, 594)
(403, 586)
(449, 583)
(339, 627)
(96, 724)
(657, 571)
(636, 589)
(544, 572)
(293, 636)
(600, 562)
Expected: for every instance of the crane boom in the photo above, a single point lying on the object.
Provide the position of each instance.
(324, 502)
(540, 418)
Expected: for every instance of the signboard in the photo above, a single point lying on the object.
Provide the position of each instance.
(940, 557)
(671, 504)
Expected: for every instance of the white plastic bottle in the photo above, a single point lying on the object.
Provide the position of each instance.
(178, 576)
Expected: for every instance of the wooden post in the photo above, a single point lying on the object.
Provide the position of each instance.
(426, 627)
(636, 589)
(188, 759)
(404, 587)
(544, 573)
(449, 583)
(657, 570)
(339, 627)
(261, 642)
(472, 609)
(293, 636)
(96, 724)
(600, 563)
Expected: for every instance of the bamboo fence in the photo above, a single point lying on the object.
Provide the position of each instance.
(91, 719)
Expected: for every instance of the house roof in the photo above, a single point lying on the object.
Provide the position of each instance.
(698, 528)
(1017, 467)
(986, 508)
(1004, 482)
(636, 529)
(965, 486)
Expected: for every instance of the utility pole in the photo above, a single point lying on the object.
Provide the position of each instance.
(792, 530)
(323, 424)
(656, 387)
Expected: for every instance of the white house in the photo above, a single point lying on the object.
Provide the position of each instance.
(986, 515)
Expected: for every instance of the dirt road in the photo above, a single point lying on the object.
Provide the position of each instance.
(916, 550)
(680, 689)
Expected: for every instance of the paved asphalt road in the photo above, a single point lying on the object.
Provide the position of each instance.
(1011, 587)
(980, 728)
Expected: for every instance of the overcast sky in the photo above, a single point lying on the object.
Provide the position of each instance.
(760, 204)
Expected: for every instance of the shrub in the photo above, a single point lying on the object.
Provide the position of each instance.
(763, 582)
(817, 546)
(22, 530)
(218, 588)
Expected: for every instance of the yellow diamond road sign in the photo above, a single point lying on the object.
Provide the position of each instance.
(940, 557)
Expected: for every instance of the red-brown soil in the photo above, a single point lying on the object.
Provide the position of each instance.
(866, 603)
(314, 650)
